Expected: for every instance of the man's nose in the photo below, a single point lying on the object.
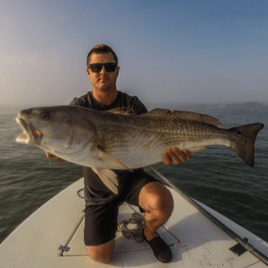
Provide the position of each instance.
(103, 70)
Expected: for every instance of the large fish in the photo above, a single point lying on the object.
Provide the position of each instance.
(107, 141)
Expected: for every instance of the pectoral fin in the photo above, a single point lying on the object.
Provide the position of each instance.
(111, 159)
(108, 177)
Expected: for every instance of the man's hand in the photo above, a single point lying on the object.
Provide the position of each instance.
(55, 158)
(175, 156)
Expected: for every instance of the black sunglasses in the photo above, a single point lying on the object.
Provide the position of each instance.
(97, 67)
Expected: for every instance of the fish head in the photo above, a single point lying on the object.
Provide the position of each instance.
(30, 125)
(59, 129)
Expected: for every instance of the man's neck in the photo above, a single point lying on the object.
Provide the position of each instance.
(105, 98)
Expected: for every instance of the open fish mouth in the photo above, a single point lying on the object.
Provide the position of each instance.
(30, 135)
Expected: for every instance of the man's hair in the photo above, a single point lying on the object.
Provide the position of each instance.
(101, 49)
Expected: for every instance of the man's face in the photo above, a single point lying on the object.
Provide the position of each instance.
(103, 80)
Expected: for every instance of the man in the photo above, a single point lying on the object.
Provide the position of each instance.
(137, 188)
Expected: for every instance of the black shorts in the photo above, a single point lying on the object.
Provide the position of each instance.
(101, 220)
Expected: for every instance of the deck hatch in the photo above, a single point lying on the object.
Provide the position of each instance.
(238, 249)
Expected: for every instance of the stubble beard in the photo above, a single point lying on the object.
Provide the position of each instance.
(103, 87)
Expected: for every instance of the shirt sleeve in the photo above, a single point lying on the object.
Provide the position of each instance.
(79, 101)
(138, 107)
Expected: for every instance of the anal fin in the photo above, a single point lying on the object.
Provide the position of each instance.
(108, 177)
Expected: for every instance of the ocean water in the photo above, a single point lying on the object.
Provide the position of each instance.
(216, 177)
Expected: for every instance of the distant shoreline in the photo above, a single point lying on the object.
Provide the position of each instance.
(185, 105)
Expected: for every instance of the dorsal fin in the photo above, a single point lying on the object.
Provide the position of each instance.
(184, 115)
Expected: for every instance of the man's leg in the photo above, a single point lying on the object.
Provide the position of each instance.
(157, 202)
(99, 232)
(101, 253)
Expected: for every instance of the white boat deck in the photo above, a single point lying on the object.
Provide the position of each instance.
(194, 240)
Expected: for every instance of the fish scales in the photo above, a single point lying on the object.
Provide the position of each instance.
(127, 140)
(146, 138)
(106, 140)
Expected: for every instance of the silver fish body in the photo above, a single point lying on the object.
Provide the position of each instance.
(84, 136)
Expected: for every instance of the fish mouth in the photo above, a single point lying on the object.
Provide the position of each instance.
(30, 135)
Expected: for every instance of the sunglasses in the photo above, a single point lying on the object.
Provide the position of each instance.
(97, 67)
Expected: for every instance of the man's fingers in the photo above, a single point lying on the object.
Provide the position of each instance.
(166, 158)
(52, 156)
(49, 155)
(175, 156)
(182, 155)
(187, 153)
(171, 156)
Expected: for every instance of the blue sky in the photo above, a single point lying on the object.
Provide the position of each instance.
(169, 51)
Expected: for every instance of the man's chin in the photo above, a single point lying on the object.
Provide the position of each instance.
(104, 88)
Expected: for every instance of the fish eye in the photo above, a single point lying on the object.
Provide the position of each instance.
(45, 116)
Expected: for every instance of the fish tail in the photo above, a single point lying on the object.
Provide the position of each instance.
(243, 144)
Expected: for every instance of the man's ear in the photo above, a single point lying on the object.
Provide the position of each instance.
(118, 69)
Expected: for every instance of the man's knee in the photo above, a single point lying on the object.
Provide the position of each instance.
(101, 253)
(156, 197)
(164, 204)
